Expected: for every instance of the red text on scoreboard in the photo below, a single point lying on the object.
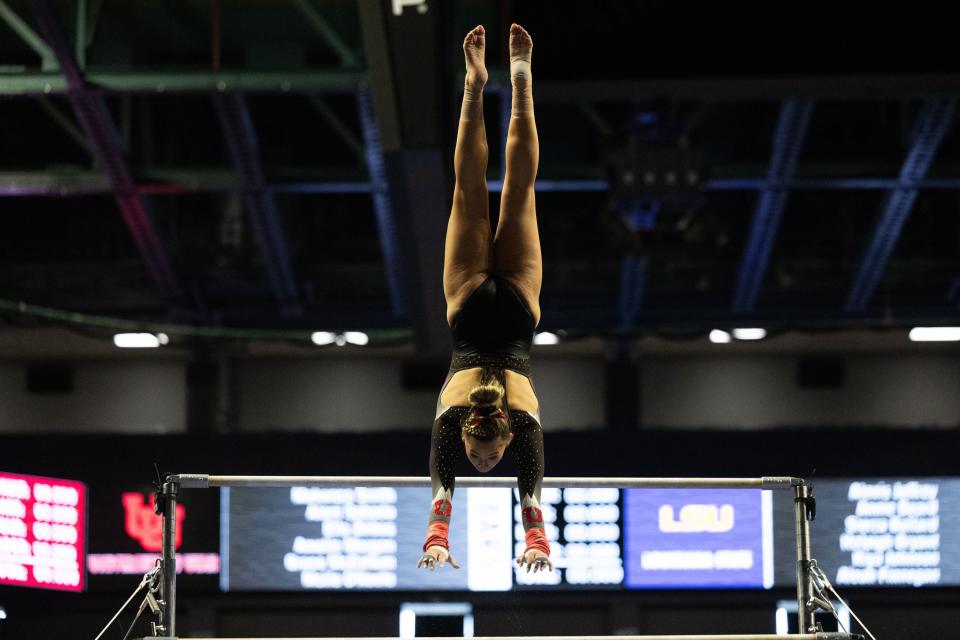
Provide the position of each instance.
(42, 532)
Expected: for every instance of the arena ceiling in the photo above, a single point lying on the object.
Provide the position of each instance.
(285, 165)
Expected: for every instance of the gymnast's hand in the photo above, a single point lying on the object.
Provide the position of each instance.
(436, 555)
(536, 560)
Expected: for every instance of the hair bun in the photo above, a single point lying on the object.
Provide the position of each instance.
(485, 395)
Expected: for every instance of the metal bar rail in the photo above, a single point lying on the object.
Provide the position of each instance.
(762, 636)
(203, 481)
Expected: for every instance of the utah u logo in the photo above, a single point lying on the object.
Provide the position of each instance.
(532, 514)
(442, 508)
(145, 526)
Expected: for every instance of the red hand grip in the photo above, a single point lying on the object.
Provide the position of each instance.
(437, 533)
(537, 539)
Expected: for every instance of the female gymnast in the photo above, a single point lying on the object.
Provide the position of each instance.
(492, 287)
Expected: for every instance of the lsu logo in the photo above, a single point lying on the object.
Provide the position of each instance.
(696, 518)
(145, 526)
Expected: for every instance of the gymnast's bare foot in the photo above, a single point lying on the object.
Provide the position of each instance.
(521, 50)
(474, 46)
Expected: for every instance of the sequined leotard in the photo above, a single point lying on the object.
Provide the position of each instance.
(493, 331)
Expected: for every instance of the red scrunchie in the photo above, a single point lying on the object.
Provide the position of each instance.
(537, 540)
(437, 532)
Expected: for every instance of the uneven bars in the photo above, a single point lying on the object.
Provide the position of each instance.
(830, 635)
(204, 481)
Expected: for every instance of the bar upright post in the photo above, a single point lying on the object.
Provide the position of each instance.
(166, 506)
(805, 510)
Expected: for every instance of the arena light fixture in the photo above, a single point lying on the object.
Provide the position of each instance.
(358, 338)
(140, 340)
(935, 334)
(719, 336)
(322, 338)
(545, 337)
(750, 334)
(409, 611)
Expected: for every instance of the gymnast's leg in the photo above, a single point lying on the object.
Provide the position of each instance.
(468, 250)
(517, 245)
(467, 259)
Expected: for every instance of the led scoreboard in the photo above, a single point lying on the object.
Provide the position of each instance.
(871, 532)
(882, 532)
(42, 532)
(696, 538)
(370, 538)
(583, 526)
(125, 536)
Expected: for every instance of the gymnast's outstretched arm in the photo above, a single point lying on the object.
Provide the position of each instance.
(468, 256)
(444, 448)
(527, 451)
(517, 257)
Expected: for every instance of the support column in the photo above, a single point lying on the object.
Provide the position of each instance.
(208, 391)
(622, 401)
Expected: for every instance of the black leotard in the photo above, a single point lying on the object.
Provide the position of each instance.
(494, 327)
(493, 330)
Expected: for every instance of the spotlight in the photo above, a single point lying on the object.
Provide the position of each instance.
(718, 336)
(545, 337)
(750, 334)
(356, 337)
(935, 334)
(321, 338)
(139, 340)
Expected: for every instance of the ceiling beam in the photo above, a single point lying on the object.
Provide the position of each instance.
(95, 121)
(788, 139)
(348, 59)
(19, 26)
(65, 123)
(382, 206)
(243, 321)
(172, 81)
(346, 81)
(407, 94)
(346, 135)
(159, 182)
(241, 138)
(80, 34)
(932, 122)
(720, 89)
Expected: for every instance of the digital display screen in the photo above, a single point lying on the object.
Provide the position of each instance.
(880, 532)
(891, 532)
(697, 538)
(363, 538)
(315, 538)
(42, 532)
(583, 527)
(126, 534)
